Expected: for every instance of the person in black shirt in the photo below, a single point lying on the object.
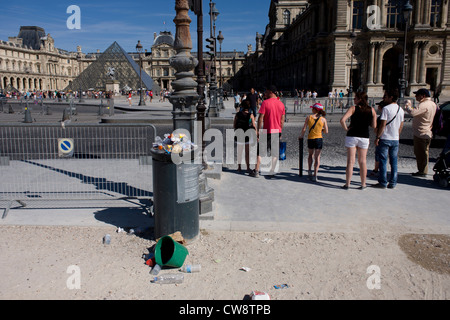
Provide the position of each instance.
(245, 120)
(357, 140)
(254, 101)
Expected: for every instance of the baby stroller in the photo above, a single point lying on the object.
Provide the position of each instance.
(442, 169)
(441, 127)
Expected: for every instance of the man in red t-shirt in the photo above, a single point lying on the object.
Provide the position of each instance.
(271, 118)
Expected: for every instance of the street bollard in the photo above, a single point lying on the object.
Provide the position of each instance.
(100, 108)
(300, 157)
(66, 114)
(111, 107)
(28, 118)
(175, 196)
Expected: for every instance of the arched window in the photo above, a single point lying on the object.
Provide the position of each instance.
(287, 17)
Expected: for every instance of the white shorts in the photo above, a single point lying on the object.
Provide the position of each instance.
(353, 142)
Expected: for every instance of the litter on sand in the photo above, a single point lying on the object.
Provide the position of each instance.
(259, 295)
(281, 286)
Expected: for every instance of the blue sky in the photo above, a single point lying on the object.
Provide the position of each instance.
(103, 22)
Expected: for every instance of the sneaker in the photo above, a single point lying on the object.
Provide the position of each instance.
(345, 187)
(362, 188)
(379, 186)
(391, 186)
(254, 174)
(314, 179)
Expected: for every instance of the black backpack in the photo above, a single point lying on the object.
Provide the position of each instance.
(243, 122)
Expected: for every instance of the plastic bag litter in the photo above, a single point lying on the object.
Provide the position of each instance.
(174, 143)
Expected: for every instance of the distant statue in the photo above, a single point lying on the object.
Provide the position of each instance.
(111, 73)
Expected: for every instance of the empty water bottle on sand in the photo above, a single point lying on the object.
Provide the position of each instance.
(107, 239)
(191, 268)
(174, 278)
(156, 269)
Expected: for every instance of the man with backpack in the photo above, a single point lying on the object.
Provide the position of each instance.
(387, 140)
(423, 117)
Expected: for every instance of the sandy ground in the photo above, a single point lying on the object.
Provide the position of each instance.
(46, 263)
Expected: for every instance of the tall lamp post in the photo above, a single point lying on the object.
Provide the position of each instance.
(206, 193)
(220, 38)
(197, 7)
(140, 49)
(406, 10)
(213, 13)
(80, 94)
(350, 87)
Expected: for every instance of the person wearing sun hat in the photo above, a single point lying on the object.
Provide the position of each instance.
(317, 125)
(423, 116)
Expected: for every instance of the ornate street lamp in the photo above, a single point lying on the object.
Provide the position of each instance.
(206, 193)
(220, 38)
(213, 14)
(140, 49)
(79, 68)
(406, 10)
(197, 7)
(350, 87)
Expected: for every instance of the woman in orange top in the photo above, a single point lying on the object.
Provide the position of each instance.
(316, 124)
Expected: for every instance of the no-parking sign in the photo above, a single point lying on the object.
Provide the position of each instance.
(65, 147)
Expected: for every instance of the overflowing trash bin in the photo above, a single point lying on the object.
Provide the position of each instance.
(175, 187)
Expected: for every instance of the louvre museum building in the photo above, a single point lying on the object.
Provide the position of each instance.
(321, 45)
(32, 62)
(326, 45)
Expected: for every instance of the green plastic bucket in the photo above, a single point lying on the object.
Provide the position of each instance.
(170, 253)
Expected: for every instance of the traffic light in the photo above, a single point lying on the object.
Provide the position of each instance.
(195, 6)
(211, 46)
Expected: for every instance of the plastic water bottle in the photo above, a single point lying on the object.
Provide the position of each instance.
(174, 278)
(191, 268)
(107, 239)
(156, 269)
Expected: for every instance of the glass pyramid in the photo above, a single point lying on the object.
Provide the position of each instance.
(126, 72)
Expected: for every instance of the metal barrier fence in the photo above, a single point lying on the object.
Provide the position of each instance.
(331, 105)
(99, 107)
(74, 162)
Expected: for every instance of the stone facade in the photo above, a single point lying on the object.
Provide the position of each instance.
(332, 41)
(156, 63)
(31, 62)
